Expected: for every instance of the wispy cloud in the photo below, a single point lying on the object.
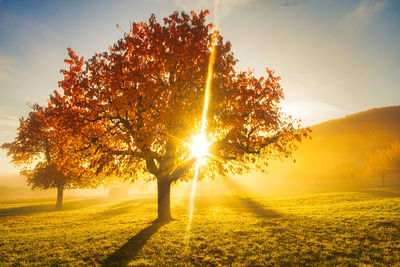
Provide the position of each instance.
(289, 3)
(6, 66)
(362, 15)
(7, 120)
(221, 7)
(8, 127)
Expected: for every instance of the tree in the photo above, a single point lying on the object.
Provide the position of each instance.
(396, 157)
(40, 148)
(384, 162)
(140, 104)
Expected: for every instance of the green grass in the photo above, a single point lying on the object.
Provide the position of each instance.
(349, 228)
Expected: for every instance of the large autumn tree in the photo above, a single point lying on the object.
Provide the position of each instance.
(140, 104)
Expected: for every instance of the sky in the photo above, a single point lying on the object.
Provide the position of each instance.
(335, 57)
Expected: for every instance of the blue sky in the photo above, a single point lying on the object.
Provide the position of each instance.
(335, 57)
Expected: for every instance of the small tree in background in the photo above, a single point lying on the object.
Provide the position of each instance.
(40, 150)
(384, 162)
(139, 105)
(396, 158)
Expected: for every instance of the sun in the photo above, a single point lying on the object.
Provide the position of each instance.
(200, 146)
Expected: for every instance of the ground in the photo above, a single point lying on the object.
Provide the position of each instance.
(337, 228)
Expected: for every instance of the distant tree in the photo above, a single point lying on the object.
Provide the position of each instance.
(396, 158)
(40, 150)
(384, 162)
(139, 105)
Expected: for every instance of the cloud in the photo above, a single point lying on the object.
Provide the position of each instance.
(362, 15)
(8, 127)
(222, 8)
(7, 120)
(6, 66)
(289, 3)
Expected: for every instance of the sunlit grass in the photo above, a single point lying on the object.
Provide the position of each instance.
(330, 228)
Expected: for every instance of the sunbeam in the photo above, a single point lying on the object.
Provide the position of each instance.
(200, 146)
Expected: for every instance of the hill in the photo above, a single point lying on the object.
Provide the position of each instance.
(339, 148)
(380, 125)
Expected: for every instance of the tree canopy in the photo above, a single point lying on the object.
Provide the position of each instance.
(41, 149)
(141, 102)
(384, 162)
(134, 110)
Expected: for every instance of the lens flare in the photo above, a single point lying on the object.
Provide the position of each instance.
(207, 93)
(199, 147)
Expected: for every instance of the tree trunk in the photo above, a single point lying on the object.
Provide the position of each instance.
(164, 207)
(383, 180)
(60, 193)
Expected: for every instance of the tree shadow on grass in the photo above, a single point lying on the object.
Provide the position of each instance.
(26, 210)
(385, 192)
(70, 205)
(116, 210)
(132, 247)
(123, 207)
(240, 202)
(245, 204)
(257, 209)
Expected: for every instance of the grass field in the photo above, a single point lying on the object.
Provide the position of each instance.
(343, 228)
